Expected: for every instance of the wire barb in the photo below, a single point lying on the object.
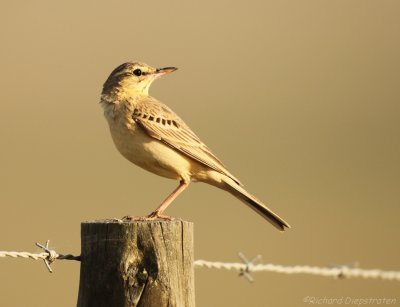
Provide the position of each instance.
(51, 255)
(48, 255)
(245, 272)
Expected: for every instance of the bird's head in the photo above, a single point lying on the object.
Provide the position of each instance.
(134, 77)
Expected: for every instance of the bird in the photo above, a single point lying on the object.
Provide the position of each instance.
(152, 136)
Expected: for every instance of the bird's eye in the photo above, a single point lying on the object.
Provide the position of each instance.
(137, 72)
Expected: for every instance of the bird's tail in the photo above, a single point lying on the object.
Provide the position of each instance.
(237, 191)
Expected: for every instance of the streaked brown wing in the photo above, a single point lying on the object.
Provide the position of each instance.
(161, 123)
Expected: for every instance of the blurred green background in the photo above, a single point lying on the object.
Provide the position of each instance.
(300, 99)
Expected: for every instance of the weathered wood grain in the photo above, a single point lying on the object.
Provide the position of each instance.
(136, 263)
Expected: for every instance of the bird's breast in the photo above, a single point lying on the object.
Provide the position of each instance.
(147, 152)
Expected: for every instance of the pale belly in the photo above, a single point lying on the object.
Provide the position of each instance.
(150, 154)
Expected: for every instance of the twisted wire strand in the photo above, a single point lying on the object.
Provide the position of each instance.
(339, 272)
(41, 256)
(26, 255)
(49, 256)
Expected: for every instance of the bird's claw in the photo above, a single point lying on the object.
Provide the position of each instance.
(151, 217)
(156, 216)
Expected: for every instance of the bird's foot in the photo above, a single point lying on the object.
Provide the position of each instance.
(151, 217)
(157, 216)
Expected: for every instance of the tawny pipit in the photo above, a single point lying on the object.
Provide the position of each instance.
(152, 136)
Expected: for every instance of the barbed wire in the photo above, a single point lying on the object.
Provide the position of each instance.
(339, 271)
(48, 255)
(245, 268)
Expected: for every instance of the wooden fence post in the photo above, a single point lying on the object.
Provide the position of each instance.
(136, 263)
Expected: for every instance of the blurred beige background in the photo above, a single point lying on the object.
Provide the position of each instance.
(305, 111)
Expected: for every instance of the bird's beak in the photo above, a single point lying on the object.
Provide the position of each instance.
(165, 70)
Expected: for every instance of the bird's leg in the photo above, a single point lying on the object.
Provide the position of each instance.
(157, 214)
